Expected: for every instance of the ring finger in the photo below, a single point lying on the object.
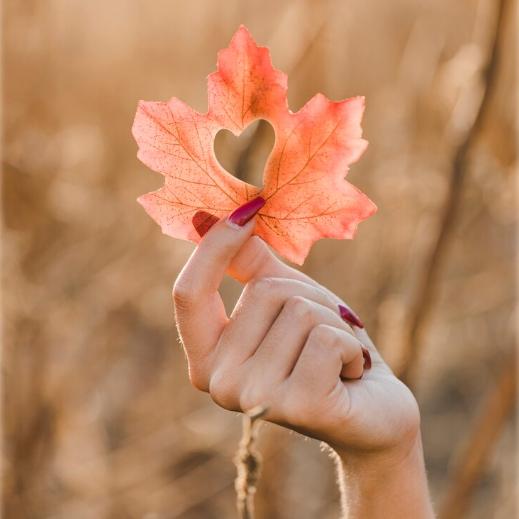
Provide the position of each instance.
(258, 307)
(280, 349)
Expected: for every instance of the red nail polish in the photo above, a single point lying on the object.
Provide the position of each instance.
(367, 358)
(246, 211)
(348, 316)
(203, 221)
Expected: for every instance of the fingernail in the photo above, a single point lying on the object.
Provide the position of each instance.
(246, 211)
(356, 378)
(367, 358)
(203, 221)
(348, 316)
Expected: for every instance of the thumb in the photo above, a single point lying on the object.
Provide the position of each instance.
(249, 257)
(256, 260)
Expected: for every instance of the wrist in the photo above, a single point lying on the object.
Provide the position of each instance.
(386, 483)
(374, 463)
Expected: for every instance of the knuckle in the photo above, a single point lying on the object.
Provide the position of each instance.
(298, 307)
(183, 295)
(198, 379)
(323, 335)
(224, 390)
(323, 344)
(250, 398)
(261, 288)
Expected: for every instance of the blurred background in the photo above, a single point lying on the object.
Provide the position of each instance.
(99, 418)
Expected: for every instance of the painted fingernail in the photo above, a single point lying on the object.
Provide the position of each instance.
(367, 358)
(203, 221)
(246, 211)
(348, 316)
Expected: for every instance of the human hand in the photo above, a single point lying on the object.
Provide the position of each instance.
(294, 347)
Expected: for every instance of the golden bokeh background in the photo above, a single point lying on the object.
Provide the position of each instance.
(99, 418)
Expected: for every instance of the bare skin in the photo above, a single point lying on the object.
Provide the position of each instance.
(286, 347)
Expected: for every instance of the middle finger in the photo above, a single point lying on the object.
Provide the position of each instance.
(257, 309)
(280, 349)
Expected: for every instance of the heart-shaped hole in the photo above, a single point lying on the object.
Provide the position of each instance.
(245, 156)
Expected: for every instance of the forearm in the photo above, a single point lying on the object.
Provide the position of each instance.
(386, 486)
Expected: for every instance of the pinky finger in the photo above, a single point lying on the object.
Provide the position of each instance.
(329, 353)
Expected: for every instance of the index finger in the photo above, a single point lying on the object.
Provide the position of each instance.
(199, 309)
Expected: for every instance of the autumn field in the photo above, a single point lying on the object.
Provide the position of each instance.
(99, 418)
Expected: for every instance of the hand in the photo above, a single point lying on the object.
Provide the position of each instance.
(286, 347)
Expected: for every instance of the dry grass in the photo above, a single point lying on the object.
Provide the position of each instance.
(99, 418)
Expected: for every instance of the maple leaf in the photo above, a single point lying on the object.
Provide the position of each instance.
(307, 197)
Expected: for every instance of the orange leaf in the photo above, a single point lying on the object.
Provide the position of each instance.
(303, 182)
